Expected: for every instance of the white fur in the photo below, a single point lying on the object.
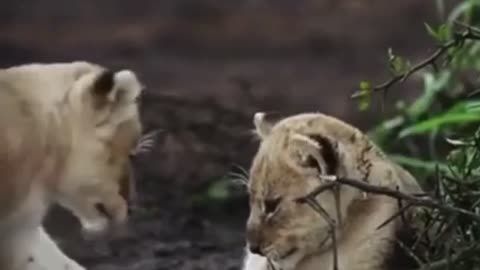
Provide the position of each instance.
(254, 262)
(45, 254)
(28, 246)
(126, 80)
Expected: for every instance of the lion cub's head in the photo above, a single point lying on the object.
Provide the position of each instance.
(291, 155)
(101, 129)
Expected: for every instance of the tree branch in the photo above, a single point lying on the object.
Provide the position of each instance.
(412, 199)
(468, 34)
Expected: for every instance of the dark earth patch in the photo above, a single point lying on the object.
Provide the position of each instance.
(208, 66)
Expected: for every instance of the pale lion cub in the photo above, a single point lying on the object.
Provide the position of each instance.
(66, 133)
(291, 156)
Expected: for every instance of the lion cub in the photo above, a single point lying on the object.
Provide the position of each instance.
(66, 134)
(291, 156)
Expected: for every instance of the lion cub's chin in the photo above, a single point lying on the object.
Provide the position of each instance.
(102, 227)
(290, 262)
(93, 228)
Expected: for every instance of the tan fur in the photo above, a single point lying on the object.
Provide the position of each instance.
(66, 131)
(295, 237)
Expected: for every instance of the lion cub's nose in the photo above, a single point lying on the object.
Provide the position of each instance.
(254, 237)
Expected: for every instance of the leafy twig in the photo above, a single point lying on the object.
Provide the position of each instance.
(459, 39)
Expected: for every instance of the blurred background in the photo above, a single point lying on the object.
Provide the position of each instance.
(208, 66)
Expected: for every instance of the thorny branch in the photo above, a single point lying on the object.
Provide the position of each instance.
(415, 199)
(409, 252)
(394, 216)
(412, 200)
(458, 40)
(468, 251)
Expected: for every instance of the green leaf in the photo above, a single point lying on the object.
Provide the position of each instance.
(397, 64)
(365, 95)
(364, 104)
(458, 142)
(473, 106)
(400, 105)
(383, 131)
(438, 122)
(433, 84)
(416, 163)
(465, 157)
(219, 190)
(444, 33)
(400, 66)
(461, 9)
(431, 31)
(365, 86)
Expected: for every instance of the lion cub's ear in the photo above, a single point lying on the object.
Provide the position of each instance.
(264, 123)
(103, 84)
(115, 88)
(329, 153)
(315, 152)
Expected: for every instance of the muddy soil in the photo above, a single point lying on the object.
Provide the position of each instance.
(209, 65)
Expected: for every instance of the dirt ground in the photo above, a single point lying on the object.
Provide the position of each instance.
(208, 66)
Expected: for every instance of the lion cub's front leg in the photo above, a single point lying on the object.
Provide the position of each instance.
(46, 255)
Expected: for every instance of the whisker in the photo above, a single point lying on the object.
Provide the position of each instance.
(242, 170)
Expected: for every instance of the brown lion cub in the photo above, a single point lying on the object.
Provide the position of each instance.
(285, 234)
(66, 133)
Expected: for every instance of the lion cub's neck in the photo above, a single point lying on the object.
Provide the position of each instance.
(34, 148)
(359, 246)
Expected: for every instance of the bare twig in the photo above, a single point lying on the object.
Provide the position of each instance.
(270, 265)
(402, 209)
(409, 252)
(317, 191)
(444, 228)
(400, 212)
(425, 230)
(440, 264)
(332, 224)
(467, 26)
(338, 207)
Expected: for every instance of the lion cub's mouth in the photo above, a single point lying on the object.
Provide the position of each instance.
(103, 210)
(289, 253)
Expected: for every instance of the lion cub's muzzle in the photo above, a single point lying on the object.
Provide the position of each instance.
(109, 219)
(113, 212)
(254, 239)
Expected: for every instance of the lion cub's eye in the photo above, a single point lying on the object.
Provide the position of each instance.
(271, 205)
